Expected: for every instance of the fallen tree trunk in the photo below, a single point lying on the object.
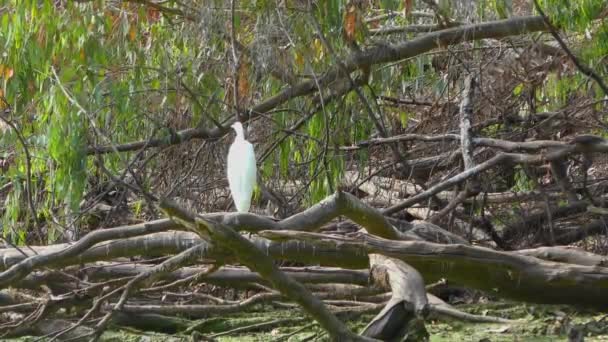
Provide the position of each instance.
(252, 257)
(312, 219)
(503, 274)
(566, 254)
(239, 277)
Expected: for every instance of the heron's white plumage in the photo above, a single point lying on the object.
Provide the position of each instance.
(241, 170)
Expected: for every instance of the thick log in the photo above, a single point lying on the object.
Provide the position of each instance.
(152, 322)
(252, 257)
(145, 246)
(238, 277)
(483, 269)
(503, 274)
(404, 314)
(312, 219)
(566, 254)
(151, 245)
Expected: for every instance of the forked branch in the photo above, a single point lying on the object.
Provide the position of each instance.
(249, 255)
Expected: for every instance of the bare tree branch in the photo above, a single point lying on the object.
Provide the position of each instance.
(375, 55)
(596, 144)
(23, 268)
(252, 257)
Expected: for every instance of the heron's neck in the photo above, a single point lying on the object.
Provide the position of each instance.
(239, 133)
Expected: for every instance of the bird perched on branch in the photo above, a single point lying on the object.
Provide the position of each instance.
(241, 169)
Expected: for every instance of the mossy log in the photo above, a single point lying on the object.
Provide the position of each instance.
(504, 274)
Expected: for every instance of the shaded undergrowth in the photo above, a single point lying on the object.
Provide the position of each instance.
(538, 323)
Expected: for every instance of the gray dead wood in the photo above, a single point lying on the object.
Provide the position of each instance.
(340, 203)
(249, 255)
(438, 307)
(404, 314)
(237, 277)
(566, 254)
(580, 144)
(504, 274)
(466, 138)
(24, 267)
(496, 273)
(478, 268)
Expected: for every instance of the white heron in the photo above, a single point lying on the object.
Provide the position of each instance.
(241, 169)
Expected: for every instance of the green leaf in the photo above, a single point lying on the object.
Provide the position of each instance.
(518, 89)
